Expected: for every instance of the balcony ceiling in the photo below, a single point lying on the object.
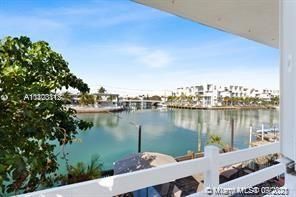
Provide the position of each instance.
(256, 20)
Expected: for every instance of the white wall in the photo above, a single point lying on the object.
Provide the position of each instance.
(288, 78)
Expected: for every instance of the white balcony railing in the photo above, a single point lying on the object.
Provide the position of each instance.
(209, 165)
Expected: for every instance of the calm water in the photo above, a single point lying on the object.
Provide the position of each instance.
(172, 132)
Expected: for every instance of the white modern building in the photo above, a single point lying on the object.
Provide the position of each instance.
(270, 22)
(213, 95)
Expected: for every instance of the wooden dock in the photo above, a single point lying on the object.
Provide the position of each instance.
(188, 156)
(268, 137)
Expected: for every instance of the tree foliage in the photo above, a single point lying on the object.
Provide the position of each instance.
(67, 97)
(215, 140)
(33, 118)
(155, 97)
(80, 172)
(102, 90)
(86, 99)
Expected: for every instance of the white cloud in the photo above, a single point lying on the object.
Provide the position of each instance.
(156, 59)
(133, 61)
(147, 67)
(150, 57)
(29, 23)
(101, 14)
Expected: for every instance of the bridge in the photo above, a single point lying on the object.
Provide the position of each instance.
(140, 103)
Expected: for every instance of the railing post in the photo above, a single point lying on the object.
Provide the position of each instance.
(212, 174)
(250, 135)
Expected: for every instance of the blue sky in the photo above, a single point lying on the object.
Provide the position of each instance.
(130, 48)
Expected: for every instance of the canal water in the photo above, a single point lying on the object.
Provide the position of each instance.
(172, 132)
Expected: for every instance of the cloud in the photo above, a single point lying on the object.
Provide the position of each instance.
(29, 23)
(114, 43)
(101, 14)
(149, 56)
(69, 21)
(150, 67)
(156, 59)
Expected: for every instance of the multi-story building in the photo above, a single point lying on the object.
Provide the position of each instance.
(213, 95)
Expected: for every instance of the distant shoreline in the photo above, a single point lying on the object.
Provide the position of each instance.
(222, 107)
(86, 109)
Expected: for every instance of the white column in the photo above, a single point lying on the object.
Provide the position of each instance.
(262, 132)
(212, 175)
(199, 138)
(250, 135)
(288, 78)
(142, 103)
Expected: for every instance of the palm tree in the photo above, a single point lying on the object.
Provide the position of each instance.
(102, 90)
(80, 172)
(67, 97)
(198, 99)
(86, 99)
(247, 100)
(256, 101)
(189, 99)
(95, 168)
(226, 100)
(170, 98)
(216, 140)
(275, 100)
(236, 100)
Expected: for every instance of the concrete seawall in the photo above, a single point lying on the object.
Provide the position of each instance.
(222, 108)
(86, 109)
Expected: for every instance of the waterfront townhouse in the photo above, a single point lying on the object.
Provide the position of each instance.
(208, 95)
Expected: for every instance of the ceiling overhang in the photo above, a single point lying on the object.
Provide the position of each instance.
(256, 20)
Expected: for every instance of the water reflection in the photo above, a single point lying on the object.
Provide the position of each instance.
(110, 120)
(219, 122)
(173, 132)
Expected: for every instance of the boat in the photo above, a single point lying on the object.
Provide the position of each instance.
(270, 130)
(162, 107)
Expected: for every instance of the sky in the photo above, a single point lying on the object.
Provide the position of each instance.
(132, 49)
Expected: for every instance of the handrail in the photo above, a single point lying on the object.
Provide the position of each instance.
(123, 183)
(209, 165)
(246, 181)
(248, 154)
(255, 178)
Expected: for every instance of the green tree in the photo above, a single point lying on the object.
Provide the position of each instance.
(247, 100)
(275, 100)
(67, 97)
(80, 172)
(171, 98)
(86, 99)
(227, 100)
(155, 97)
(255, 101)
(215, 140)
(33, 118)
(102, 90)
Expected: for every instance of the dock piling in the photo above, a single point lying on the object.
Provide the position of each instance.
(262, 133)
(232, 133)
(274, 134)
